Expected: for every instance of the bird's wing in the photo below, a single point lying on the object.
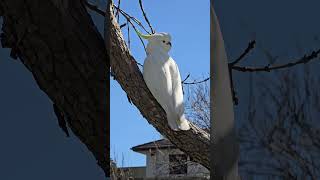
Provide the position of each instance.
(177, 97)
(158, 80)
(177, 93)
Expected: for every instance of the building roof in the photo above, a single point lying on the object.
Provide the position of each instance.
(159, 144)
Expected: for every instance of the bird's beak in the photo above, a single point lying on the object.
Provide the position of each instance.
(169, 43)
(144, 36)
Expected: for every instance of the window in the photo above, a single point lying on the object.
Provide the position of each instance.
(178, 164)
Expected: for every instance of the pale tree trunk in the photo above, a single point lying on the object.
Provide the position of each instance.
(225, 147)
(194, 142)
(58, 42)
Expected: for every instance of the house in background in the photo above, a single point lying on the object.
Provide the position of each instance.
(164, 160)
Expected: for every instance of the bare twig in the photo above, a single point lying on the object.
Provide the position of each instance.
(247, 50)
(129, 18)
(234, 97)
(126, 15)
(144, 46)
(139, 64)
(145, 16)
(305, 59)
(197, 82)
(123, 25)
(186, 78)
(286, 123)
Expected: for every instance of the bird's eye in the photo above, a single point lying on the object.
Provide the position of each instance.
(163, 41)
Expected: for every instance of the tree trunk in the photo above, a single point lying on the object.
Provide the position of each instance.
(58, 42)
(194, 142)
(225, 146)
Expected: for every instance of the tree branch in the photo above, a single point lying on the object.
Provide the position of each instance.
(195, 82)
(145, 16)
(305, 59)
(246, 51)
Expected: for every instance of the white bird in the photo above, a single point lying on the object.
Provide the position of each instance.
(161, 74)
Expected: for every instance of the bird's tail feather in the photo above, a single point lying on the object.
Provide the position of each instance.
(178, 124)
(183, 124)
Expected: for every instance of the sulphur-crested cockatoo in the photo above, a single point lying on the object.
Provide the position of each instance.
(162, 76)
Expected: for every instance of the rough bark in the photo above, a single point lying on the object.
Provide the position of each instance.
(58, 42)
(194, 142)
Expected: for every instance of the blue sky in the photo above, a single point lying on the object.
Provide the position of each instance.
(190, 40)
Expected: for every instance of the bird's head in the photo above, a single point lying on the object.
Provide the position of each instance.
(160, 41)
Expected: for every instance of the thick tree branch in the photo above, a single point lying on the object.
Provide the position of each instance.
(194, 142)
(58, 42)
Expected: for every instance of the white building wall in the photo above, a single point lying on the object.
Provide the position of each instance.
(163, 162)
(150, 164)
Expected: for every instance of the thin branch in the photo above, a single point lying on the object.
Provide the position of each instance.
(186, 78)
(305, 59)
(145, 16)
(129, 18)
(247, 50)
(126, 15)
(139, 64)
(234, 97)
(117, 13)
(123, 25)
(144, 46)
(197, 82)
